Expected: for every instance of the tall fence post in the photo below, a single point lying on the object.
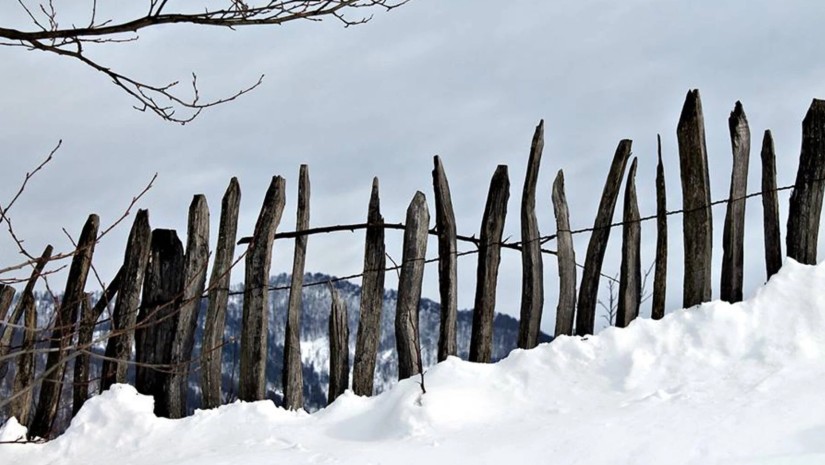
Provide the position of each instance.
(657, 311)
(532, 267)
(407, 338)
(697, 221)
(80, 385)
(733, 237)
(565, 311)
(119, 346)
(64, 330)
(489, 257)
(372, 299)
(338, 346)
(630, 284)
(292, 377)
(770, 207)
(445, 225)
(252, 380)
(589, 291)
(806, 199)
(219, 280)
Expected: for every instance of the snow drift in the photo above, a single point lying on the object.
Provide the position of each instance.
(720, 383)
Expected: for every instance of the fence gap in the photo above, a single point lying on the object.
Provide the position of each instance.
(630, 283)
(338, 346)
(770, 207)
(407, 338)
(445, 226)
(532, 281)
(565, 311)
(733, 236)
(657, 311)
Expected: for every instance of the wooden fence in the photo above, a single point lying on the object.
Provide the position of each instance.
(157, 291)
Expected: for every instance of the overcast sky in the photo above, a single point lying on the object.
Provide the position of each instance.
(465, 79)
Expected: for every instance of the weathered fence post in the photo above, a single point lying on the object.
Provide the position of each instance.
(6, 297)
(63, 331)
(697, 221)
(124, 317)
(806, 199)
(372, 298)
(770, 207)
(219, 281)
(733, 237)
(589, 290)
(489, 257)
(565, 311)
(447, 262)
(157, 319)
(80, 386)
(630, 284)
(532, 281)
(657, 311)
(338, 346)
(194, 280)
(252, 380)
(407, 338)
(292, 377)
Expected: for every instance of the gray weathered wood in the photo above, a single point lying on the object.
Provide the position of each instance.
(630, 281)
(657, 311)
(697, 221)
(489, 258)
(445, 225)
(157, 319)
(532, 267)
(124, 317)
(292, 378)
(338, 346)
(196, 262)
(6, 297)
(407, 339)
(770, 207)
(566, 309)
(372, 298)
(252, 381)
(589, 290)
(733, 236)
(80, 385)
(806, 199)
(7, 328)
(219, 282)
(64, 329)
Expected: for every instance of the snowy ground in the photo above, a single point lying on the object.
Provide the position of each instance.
(721, 384)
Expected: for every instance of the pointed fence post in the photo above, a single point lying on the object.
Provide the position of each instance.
(338, 346)
(372, 299)
(565, 311)
(806, 199)
(697, 222)
(124, 317)
(532, 281)
(770, 207)
(219, 280)
(630, 283)
(657, 311)
(407, 338)
(445, 225)
(489, 258)
(252, 380)
(733, 237)
(64, 330)
(589, 291)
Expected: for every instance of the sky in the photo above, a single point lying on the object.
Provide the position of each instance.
(465, 79)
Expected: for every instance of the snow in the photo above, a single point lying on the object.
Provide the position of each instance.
(717, 384)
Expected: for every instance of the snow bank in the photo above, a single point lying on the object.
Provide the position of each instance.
(717, 384)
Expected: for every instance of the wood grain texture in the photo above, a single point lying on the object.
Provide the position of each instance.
(733, 236)
(532, 267)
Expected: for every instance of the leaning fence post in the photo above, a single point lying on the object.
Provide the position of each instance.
(292, 377)
(806, 199)
(372, 299)
(489, 257)
(338, 346)
(566, 309)
(407, 338)
(733, 247)
(447, 262)
(532, 281)
(219, 280)
(697, 221)
(589, 291)
(630, 284)
(252, 380)
(657, 311)
(63, 332)
(770, 207)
